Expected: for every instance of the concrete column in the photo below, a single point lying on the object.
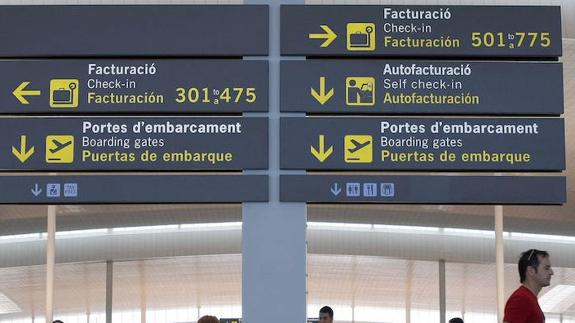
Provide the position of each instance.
(274, 249)
(50, 262)
(500, 262)
(408, 291)
(109, 289)
(442, 293)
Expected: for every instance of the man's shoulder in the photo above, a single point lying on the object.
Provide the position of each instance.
(517, 308)
(522, 291)
(519, 296)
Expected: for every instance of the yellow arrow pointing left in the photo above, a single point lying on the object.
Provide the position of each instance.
(23, 154)
(20, 92)
(329, 36)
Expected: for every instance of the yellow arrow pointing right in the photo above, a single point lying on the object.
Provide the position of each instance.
(20, 92)
(329, 36)
(322, 97)
(23, 154)
(321, 154)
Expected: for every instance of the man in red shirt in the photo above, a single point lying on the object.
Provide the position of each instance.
(535, 273)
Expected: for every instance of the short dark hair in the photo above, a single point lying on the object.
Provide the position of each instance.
(456, 320)
(57, 321)
(327, 310)
(208, 319)
(529, 258)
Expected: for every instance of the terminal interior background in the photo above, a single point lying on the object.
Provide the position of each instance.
(370, 263)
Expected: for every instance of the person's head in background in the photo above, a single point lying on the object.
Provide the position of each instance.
(208, 319)
(326, 315)
(57, 321)
(456, 320)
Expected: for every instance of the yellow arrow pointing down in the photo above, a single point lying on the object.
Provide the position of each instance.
(322, 154)
(20, 92)
(22, 154)
(329, 36)
(322, 97)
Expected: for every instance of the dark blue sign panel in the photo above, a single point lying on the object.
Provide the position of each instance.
(129, 189)
(133, 30)
(133, 86)
(423, 189)
(457, 31)
(422, 87)
(137, 143)
(485, 144)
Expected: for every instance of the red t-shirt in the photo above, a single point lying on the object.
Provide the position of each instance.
(522, 307)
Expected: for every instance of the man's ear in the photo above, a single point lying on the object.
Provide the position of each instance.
(531, 270)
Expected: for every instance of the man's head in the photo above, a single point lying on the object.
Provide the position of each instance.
(57, 321)
(534, 266)
(326, 315)
(208, 319)
(456, 320)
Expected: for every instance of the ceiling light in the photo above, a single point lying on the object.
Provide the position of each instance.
(211, 226)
